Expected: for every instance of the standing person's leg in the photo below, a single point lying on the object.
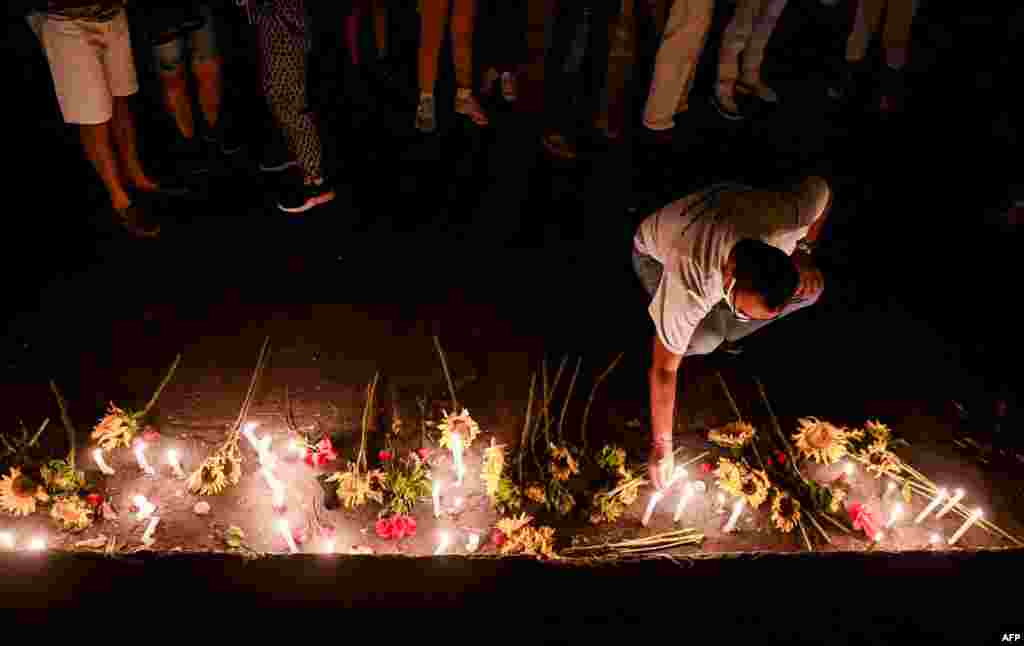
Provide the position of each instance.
(380, 31)
(282, 44)
(753, 56)
(896, 34)
(865, 25)
(597, 60)
(462, 26)
(433, 14)
(514, 23)
(169, 51)
(676, 63)
(208, 69)
(737, 35)
(557, 100)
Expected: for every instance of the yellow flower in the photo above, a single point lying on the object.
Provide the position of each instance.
(563, 466)
(117, 428)
(820, 440)
(209, 479)
(785, 511)
(755, 488)
(494, 465)
(18, 494)
(71, 513)
(535, 492)
(629, 494)
(839, 494)
(732, 435)
(730, 476)
(529, 540)
(462, 425)
(355, 488)
(607, 508)
(880, 460)
(878, 431)
(509, 526)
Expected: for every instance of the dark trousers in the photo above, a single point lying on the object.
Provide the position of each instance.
(501, 34)
(570, 105)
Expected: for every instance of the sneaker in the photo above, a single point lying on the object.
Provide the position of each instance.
(757, 89)
(137, 222)
(425, 121)
(303, 197)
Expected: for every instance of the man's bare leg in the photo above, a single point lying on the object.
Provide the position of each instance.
(176, 99)
(123, 127)
(211, 89)
(99, 150)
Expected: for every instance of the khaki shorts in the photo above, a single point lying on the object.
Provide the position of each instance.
(91, 63)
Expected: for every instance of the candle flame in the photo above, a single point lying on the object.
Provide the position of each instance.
(172, 456)
(37, 544)
(140, 500)
(7, 540)
(878, 537)
(848, 469)
(935, 538)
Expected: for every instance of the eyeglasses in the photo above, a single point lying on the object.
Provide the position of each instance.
(729, 296)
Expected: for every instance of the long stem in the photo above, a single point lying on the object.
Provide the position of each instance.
(160, 388)
(836, 523)
(568, 398)
(803, 532)
(814, 521)
(526, 427)
(67, 423)
(732, 402)
(244, 412)
(778, 430)
(371, 393)
(447, 375)
(590, 401)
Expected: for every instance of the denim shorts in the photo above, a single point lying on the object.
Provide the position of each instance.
(201, 42)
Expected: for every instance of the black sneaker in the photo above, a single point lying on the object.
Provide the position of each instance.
(136, 221)
(300, 198)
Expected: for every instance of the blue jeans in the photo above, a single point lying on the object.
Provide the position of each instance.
(719, 325)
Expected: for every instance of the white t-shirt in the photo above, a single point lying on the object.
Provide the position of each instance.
(693, 237)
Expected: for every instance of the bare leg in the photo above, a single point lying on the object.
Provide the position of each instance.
(99, 150)
(211, 88)
(177, 101)
(123, 127)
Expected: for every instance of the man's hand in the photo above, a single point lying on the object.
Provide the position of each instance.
(811, 278)
(664, 366)
(661, 464)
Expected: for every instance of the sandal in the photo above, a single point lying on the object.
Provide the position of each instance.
(760, 90)
(470, 107)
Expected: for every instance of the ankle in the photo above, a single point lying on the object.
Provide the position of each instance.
(463, 93)
(120, 200)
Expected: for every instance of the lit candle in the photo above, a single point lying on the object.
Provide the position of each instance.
(952, 503)
(848, 469)
(894, 515)
(97, 456)
(329, 547)
(437, 498)
(720, 507)
(7, 540)
(147, 537)
(736, 509)
(878, 537)
(935, 539)
(655, 499)
(146, 508)
(473, 543)
(973, 518)
(685, 498)
(262, 447)
(443, 545)
(37, 544)
(458, 502)
(460, 468)
(932, 505)
(140, 457)
(172, 458)
(296, 449)
(276, 488)
(286, 531)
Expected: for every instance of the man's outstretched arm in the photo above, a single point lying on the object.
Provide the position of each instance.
(662, 378)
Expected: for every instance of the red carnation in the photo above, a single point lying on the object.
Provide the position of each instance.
(151, 435)
(423, 453)
(384, 456)
(769, 458)
(862, 519)
(408, 524)
(706, 467)
(498, 537)
(385, 528)
(328, 532)
(299, 535)
(781, 457)
(322, 453)
(94, 500)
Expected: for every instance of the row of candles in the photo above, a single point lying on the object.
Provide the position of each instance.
(690, 488)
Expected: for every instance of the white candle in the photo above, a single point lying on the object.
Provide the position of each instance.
(443, 545)
(437, 498)
(952, 503)
(736, 509)
(685, 498)
(473, 543)
(329, 548)
(172, 458)
(848, 469)
(140, 457)
(935, 539)
(460, 468)
(721, 503)
(286, 531)
(276, 488)
(894, 515)
(878, 537)
(262, 447)
(7, 540)
(146, 508)
(932, 505)
(97, 456)
(973, 518)
(147, 537)
(655, 499)
(37, 544)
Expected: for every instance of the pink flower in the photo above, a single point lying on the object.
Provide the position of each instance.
(396, 527)
(384, 456)
(862, 519)
(328, 532)
(706, 467)
(322, 453)
(94, 500)
(151, 435)
(299, 535)
(769, 458)
(498, 537)
(781, 457)
(385, 528)
(423, 453)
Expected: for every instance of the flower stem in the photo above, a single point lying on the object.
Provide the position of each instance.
(568, 398)
(526, 427)
(590, 401)
(447, 375)
(160, 388)
(732, 402)
(67, 423)
(803, 532)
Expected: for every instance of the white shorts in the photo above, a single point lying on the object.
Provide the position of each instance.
(91, 63)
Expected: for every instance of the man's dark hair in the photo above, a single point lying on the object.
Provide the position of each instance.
(766, 270)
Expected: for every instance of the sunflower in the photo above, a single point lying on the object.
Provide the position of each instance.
(494, 465)
(355, 488)
(209, 479)
(839, 493)
(730, 476)
(785, 511)
(629, 494)
(535, 492)
(732, 435)
(532, 541)
(606, 508)
(820, 440)
(19, 494)
(755, 488)
(880, 460)
(563, 466)
(117, 428)
(509, 526)
(613, 460)
(462, 425)
(878, 431)
(60, 478)
(71, 513)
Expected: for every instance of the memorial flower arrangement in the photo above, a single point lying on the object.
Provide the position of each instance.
(19, 494)
(71, 513)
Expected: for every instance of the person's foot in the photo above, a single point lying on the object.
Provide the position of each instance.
(558, 146)
(757, 88)
(509, 87)
(847, 86)
(303, 197)
(136, 221)
(467, 105)
(168, 186)
(490, 77)
(425, 117)
(726, 106)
